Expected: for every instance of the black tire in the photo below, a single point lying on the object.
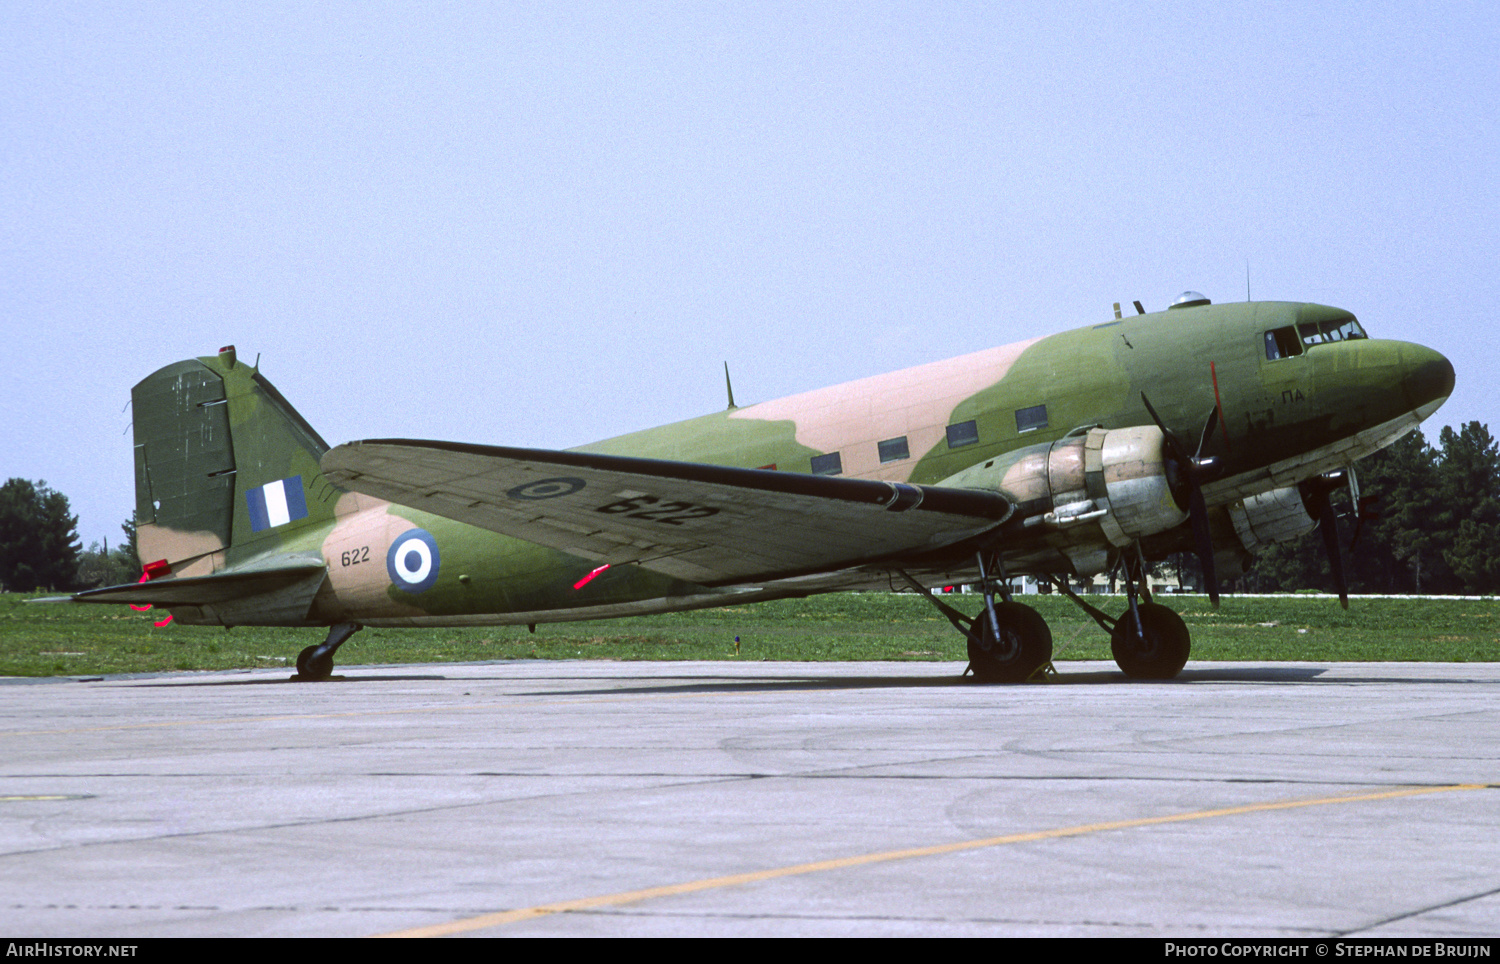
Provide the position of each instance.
(311, 668)
(1163, 652)
(1024, 646)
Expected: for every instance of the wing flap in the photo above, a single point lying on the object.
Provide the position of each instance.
(712, 525)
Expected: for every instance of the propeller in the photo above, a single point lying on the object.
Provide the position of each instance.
(1315, 492)
(1186, 475)
(1363, 508)
(1364, 511)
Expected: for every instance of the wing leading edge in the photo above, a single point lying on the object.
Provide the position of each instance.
(708, 524)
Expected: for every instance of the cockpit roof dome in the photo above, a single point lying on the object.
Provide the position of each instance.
(1189, 299)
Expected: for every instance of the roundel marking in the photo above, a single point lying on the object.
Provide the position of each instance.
(412, 561)
(546, 488)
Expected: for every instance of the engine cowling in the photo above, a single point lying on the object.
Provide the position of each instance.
(1277, 516)
(1096, 489)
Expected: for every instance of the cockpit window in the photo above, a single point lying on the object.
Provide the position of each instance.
(1317, 333)
(1290, 341)
(1282, 343)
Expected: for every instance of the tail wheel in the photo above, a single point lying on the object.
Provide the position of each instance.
(316, 662)
(1159, 651)
(313, 667)
(1023, 646)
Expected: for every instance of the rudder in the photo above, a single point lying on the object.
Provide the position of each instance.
(226, 469)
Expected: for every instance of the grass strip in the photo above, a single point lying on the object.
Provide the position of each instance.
(86, 640)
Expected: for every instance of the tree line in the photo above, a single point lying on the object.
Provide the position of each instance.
(1431, 524)
(40, 549)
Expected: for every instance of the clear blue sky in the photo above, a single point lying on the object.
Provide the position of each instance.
(545, 224)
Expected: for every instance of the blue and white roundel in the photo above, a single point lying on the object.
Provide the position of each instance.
(412, 561)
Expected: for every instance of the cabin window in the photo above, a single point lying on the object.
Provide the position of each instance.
(894, 450)
(1282, 343)
(829, 464)
(964, 433)
(1031, 419)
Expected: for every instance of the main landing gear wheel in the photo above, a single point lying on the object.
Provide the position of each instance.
(1162, 652)
(1023, 647)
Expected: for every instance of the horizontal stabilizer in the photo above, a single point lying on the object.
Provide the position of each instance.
(708, 524)
(219, 588)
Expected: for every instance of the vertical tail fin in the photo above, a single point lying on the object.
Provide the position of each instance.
(225, 468)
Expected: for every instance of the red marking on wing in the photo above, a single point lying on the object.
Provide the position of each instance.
(589, 578)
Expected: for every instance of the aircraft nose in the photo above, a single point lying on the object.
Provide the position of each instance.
(1427, 378)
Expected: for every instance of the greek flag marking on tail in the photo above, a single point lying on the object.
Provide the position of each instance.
(276, 504)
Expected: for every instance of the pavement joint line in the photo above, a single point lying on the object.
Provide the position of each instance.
(1420, 911)
(840, 863)
(288, 717)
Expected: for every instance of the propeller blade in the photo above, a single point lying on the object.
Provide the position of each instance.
(1208, 430)
(1321, 507)
(1174, 446)
(1330, 526)
(1198, 513)
(1191, 473)
(1363, 510)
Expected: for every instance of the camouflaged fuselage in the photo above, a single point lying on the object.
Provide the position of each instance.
(211, 503)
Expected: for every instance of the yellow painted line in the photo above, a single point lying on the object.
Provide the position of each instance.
(732, 880)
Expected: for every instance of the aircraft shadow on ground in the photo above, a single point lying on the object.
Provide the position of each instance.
(283, 680)
(568, 685)
(782, 682)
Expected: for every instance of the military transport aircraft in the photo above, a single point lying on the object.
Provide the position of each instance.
(1211, 428)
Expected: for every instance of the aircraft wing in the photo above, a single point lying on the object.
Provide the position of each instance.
(707, 524)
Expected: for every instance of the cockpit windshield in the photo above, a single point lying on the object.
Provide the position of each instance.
(1318, 332)
(1295, 339)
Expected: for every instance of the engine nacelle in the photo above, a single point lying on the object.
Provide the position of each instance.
(1276, 516)
(1095, 488)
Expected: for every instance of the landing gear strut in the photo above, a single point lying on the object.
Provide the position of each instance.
(1152, 645)
(316, 662)
(1021, 646)
(1008, 642)
(1148, 641)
